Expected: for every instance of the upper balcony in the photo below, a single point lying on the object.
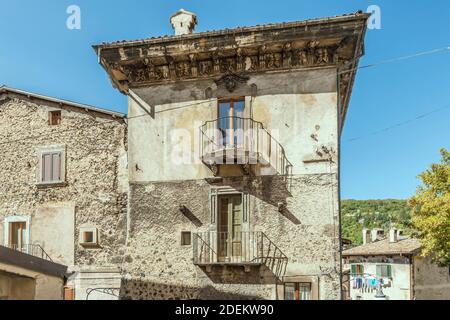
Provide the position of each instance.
(244, 142)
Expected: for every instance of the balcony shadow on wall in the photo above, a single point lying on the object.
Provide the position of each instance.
(271, 190)
(140, 289)
(274, 191)
(188, 214)
(256, 275)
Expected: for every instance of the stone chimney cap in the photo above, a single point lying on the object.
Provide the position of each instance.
(181, 11)
(183, 22)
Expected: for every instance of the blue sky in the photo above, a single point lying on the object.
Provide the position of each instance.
(39, 54)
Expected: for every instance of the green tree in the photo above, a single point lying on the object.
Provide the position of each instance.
(431, 210)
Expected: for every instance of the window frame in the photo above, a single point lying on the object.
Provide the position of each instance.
(388, 271)
(42, 151)
(297, 286)
(51, 113)
(183, 233)
(359, 269)
(12, 219)
(95, 237)
(232, 101)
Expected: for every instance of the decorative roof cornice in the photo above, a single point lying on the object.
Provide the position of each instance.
(321, 43)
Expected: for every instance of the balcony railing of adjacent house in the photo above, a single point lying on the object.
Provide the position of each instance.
(238, 248)
(31, 249)
(241, 141)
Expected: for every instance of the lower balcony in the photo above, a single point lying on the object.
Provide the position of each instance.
(237, 249)
(31, 249)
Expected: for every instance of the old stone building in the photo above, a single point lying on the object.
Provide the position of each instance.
(234, 140)
(394, 265)
(64, 185)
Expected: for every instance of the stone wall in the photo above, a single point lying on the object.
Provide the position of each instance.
(158, 267)
(431, 282)
(92, 195)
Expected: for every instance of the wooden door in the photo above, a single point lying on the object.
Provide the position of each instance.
(17, 235)
(229, 235)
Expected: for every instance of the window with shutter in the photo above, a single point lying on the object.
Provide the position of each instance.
(389, 271)
(51, 167)
(357, 269)
(384, 271)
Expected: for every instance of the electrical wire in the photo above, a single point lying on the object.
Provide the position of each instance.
(400, 124)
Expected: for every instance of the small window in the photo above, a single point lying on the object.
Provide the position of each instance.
(357, 270)
(54, 118)
(384, 271)
(186, 238)
(51, 167)
(18, 235)
(297, 291)
(88, 237)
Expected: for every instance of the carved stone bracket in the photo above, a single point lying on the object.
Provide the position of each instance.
(231, 81)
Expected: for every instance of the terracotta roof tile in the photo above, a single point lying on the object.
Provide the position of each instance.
(384, 247)
(233, 30)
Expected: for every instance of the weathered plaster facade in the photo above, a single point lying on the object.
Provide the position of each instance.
(295, 82)
(93, 190)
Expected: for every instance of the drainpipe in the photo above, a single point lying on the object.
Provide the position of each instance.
(339, 105)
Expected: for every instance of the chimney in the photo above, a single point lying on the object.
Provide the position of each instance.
(183, 22)
(393, 235)
(366, 236)
(377, 234)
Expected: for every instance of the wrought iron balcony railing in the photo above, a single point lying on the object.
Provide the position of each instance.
(31, 249)
(238, 248)
(236, 140)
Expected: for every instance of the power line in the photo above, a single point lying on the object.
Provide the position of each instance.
(400, 124)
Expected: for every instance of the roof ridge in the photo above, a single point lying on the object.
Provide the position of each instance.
(63, 101)
(356, 14)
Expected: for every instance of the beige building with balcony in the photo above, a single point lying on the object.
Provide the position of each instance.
(234, 140)
(394, 264)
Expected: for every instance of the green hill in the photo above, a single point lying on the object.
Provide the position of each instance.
(373, 214)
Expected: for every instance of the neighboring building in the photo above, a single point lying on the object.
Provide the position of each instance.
(64, 182)
(234, 140)
(395, 264)
(27, 277)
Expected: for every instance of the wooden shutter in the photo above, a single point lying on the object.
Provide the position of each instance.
(51, 170)
(56, 166)
(353, 269)
(46, 167)
(389, 271)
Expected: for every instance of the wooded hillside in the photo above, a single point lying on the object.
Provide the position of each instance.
(373, 214)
